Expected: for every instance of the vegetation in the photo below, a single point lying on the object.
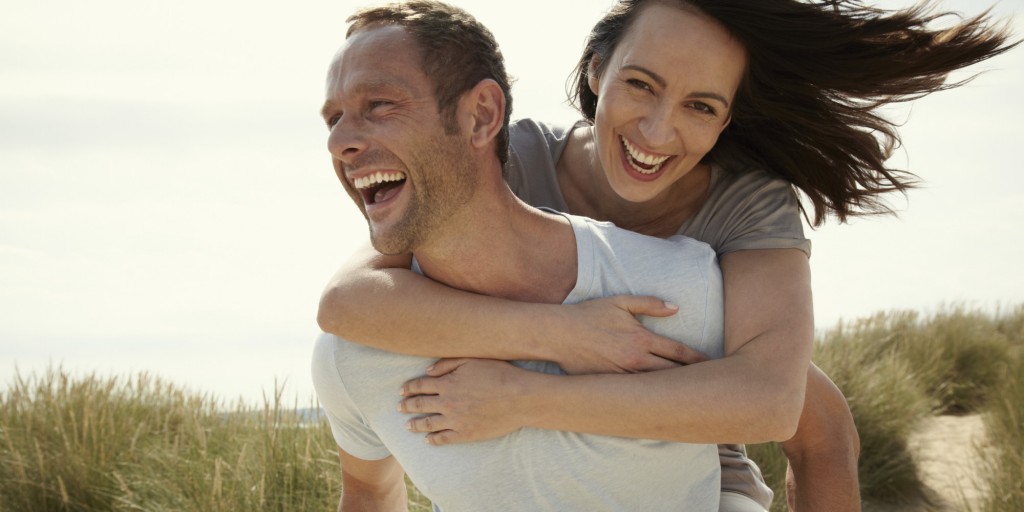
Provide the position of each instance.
(1004, 469)
(118, 444)
(898, 368)
(106, 444)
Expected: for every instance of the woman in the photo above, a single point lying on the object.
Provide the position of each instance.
(686, 102)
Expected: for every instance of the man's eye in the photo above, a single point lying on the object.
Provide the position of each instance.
(333, 120)
(378, 103)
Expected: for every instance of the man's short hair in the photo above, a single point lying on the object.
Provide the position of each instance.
(456, 53)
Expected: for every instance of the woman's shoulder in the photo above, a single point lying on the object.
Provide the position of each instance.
(748, 208)
(528, 133)
(535, 148)
(735, 180)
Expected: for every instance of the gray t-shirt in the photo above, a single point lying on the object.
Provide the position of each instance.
(747, 209)
(535, 469)
(743, 210)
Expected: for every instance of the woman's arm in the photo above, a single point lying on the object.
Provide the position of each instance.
(823, 454)
(377, 301)
(755, 394)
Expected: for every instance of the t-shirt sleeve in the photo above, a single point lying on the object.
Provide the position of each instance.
(757, 212)
(742, 476)
(348, 425)
(530, 172)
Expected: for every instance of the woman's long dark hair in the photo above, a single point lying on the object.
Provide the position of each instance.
(817, 73)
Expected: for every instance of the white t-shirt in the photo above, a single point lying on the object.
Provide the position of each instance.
(546, 470)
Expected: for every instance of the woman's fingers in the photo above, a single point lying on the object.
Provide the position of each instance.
(445, 366)
(420, 404)
(427, 424)
(644, 305)
(676, 352)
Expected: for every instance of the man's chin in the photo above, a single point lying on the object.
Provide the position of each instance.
(390, 243)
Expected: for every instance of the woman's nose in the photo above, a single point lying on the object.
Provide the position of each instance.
(657, 126)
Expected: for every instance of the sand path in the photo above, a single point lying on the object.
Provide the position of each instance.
(946, 449)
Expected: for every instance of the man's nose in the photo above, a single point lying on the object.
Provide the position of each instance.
(347, 139)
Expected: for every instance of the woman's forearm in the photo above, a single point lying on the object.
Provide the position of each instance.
(730, 400)
(377, 301)
(743, 398)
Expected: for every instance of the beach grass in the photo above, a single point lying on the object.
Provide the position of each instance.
(110, 444)
(899, 368)
(1003, 457)
(96, 443)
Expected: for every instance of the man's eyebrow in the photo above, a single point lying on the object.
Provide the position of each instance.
(658, 79)
(369, 87)
(328, 106)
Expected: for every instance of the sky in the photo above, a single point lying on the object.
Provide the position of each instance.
(167, 203)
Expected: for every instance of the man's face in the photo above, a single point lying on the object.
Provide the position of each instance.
(389, 147)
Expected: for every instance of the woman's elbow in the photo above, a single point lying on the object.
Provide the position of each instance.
(329, 315)
(788, 423)
(785, 405)
(826, 423)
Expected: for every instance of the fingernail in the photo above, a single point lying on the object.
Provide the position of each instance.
(408, 425)
(402, 391)
(671, 306)
(430, 368)
(399, 407)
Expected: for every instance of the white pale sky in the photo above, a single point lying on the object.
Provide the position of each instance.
(167, 203)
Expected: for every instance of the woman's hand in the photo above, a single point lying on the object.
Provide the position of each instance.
(466, 400)
(604, 336)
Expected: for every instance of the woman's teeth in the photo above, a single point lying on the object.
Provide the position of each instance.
(643, 162)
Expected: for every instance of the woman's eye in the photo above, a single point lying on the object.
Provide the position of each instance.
(638, 84)
(703, 108)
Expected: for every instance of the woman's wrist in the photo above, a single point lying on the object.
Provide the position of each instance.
(531, 397)
(542, 331)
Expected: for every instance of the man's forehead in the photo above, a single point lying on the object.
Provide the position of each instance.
(380, 45)
(378, 56)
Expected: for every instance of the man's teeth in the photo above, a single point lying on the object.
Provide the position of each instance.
(640, 157)
(378, 177)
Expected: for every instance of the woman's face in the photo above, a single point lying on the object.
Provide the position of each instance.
(664, 96)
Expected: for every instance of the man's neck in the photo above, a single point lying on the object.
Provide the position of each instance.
(497, 245)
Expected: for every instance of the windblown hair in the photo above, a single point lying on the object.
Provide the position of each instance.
(456, 52)
(817, 72)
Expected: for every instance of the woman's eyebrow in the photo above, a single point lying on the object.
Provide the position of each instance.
(661, 83)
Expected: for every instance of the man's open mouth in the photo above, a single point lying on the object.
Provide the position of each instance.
(379, 186)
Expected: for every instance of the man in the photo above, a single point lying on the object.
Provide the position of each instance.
(417, 104)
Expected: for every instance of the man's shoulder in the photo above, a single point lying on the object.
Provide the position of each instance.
(631, 242)
(615, 255)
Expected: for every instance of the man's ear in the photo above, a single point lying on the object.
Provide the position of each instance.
(594, 73)
(483, 112)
